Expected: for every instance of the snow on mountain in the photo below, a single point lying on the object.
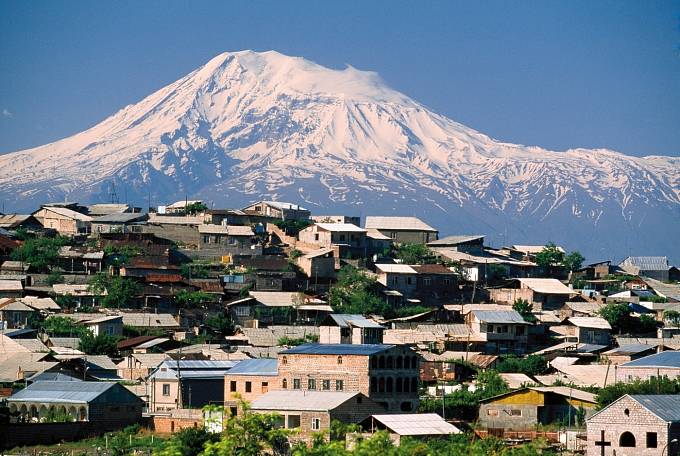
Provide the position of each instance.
(247, 126)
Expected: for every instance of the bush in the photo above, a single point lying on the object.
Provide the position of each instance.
(41, 253)
(119, 290)
(531, 365)
(357, 293)
(655, 385)
(54, 277)
(103, 344)
(413, 253)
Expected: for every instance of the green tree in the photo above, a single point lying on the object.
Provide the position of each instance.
(531, 365)
(646, 324)
(54, 277)
(102, 344)
(221, 324)
(187, 442)
(413, 253)
(196, 208)
(62, 327)
(356, 292)
(194, 271)
(655, 385)
(573, 261)
(117, 291)
(672, 316)
(550, 256)
(193, 299)
(618, 316)
(41, 253)
(524, 308)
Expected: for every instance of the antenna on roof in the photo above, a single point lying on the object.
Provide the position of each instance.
(113, 194)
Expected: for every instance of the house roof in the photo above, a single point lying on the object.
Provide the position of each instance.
(338, 349)
(284, 206)
(171, 369)
(397, 224)
(432, 269)
(13, 220)
(341, 227)
(317, 253)
(630, 349)
(499, 316)
(122, 217)
(277, 298)
(68, 213)
(230, 230)
(175, 220)
(158, 320)
(16, 306)
(646, 263)
(11, 285)
(182, 204)
(667, 290)
(269, 337)
(516, 380)
(396, 268)
(40, 303)
(347, 320)
(417, 424)
(213, 229)
(564, 391)
(60, 391)
(665, 406)
(666, 359)
(302, 400)
(533, 249)
(107, 208)
(377, 235)
(547, 286)
(456, 240)
(590, 322)
(256, 366)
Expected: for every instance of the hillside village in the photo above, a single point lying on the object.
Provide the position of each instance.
(112, 316)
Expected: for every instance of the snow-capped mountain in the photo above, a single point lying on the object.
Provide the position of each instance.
(249, 126)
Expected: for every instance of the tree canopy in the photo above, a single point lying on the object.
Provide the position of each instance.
(413, 253)
(41, 252)
(117, 291)
(524, 308)
(356, 292)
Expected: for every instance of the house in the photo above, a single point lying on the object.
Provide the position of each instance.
(529, 252)
(249, 379)
(629, 352)
(278, 210)
(267, 307)
(484, 265)
(80, 293)
(398, 277)
(589, 330)
(111, 325)
(350, 329)
(14, 314)
(412, 425)
(74, 259)
(666, 363)
(472, 244)
(108, 404)
(186, 383)
(63, 220)
(138, 366)
(273, 335)
(11, 289)
(435, 283)
(99, 209)
(176, 228)
(526, 408)
(310, 412)
(594, 271)
(348, 238)
(318, 264)
(228, 240)
(226, 217)
(388, 374)
(15, 221)
(655, 267)
(119, 222)
(636, 425)
(403, 230)
(178, 207)
(377, 243)
(503, 330)
(542, 293)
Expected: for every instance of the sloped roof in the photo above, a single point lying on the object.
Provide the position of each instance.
(40, 303)
(121, 218)
(269, 337)
(590, 322)
(284, 206)
(498, 316)
(516, 380)
(455, 240)
(547, 286)
(13, 220)
(396, 223)
(317, 253)
(341, 227)
(276, 298)
(646, 263)
(347, 320)
(182, 204)
(257, 366)
(240, 230)
(11, 285)
(666, 359)
(396, 268)
(533, 249)
(564, 391)
(338, 349)
(630, 349)
(16, 306)
(375, 234)
(69, 391)
(302, 400)
(417, 424)
(667, 290)
(68, 213)
(665, 406)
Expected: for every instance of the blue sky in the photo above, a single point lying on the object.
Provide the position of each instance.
(557, 74)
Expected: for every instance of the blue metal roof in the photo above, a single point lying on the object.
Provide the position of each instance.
(257, 366)
(337, 349)
(664, 359)
(638, 308)
(665, 406)
(60, 391)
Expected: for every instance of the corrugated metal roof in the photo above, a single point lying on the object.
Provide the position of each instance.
(646, 263)
(547, 286)
(590, 322)
(455, 240)
(302, 400)
(337, 349)
(397, 223)
(11, 285)
(258, 366)
(417, 424)
(284, 206)
(277, 298)
(666, 359)
(498, 316)
(120, 218)
(347, 320)
(630, 349)
(396, 268)
(72, 392)
(341, 227)
(665, 406)
(69, 213)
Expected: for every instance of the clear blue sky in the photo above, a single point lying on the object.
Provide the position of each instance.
(557, 74)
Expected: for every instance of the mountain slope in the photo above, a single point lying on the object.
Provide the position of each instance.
(252, 125)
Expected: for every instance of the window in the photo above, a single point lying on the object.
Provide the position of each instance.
(342, 238)
(166, 389)
(339, 359)
(651, 440)
(232, 386)
(627, 440)
(447, 281)
(519, 330)
(409, 280)
(326, 385)
(427, 281)
(393, 235)
(311, 384)
(242, 311)
(340, 385)
(489, 328)
(492, 412)
(316, 424)
(316, 236)
(296, 383)
(265, 387)
(293, 421)
(206, 239)
(249, 387)
(284, 383)
(515, 412)
(284, 360)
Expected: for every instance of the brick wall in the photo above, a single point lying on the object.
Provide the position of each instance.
(259, 384)
(627, 374)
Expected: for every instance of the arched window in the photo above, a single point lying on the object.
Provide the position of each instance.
(284, 383)
(627, 440)
(399, 383)
(414, 362)
(381, 385)
(400, 362)
(284, 360)
(381, 362)
(374, 362)
(390, 384)
(374, 385)
(389, 362)
(407, 362)
(414, 385)
(339, 359)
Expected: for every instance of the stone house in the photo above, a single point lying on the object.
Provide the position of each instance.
(63, 220)
(403, 230)
(472, 244)
(318, 264)
(636, 425)
(249, 379)
(388, 374)
(503, 330)
(544, 294)
(228, 240)
(348, 238)
(119, 223)
(350, 329)
(589, 330)
(398, 277)
(666, 363)
(311, 412)
(278, 210)
(111, 325)
(526, 408)
(107, 403)
(628, 352)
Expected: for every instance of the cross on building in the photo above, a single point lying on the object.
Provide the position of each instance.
(602, 443)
